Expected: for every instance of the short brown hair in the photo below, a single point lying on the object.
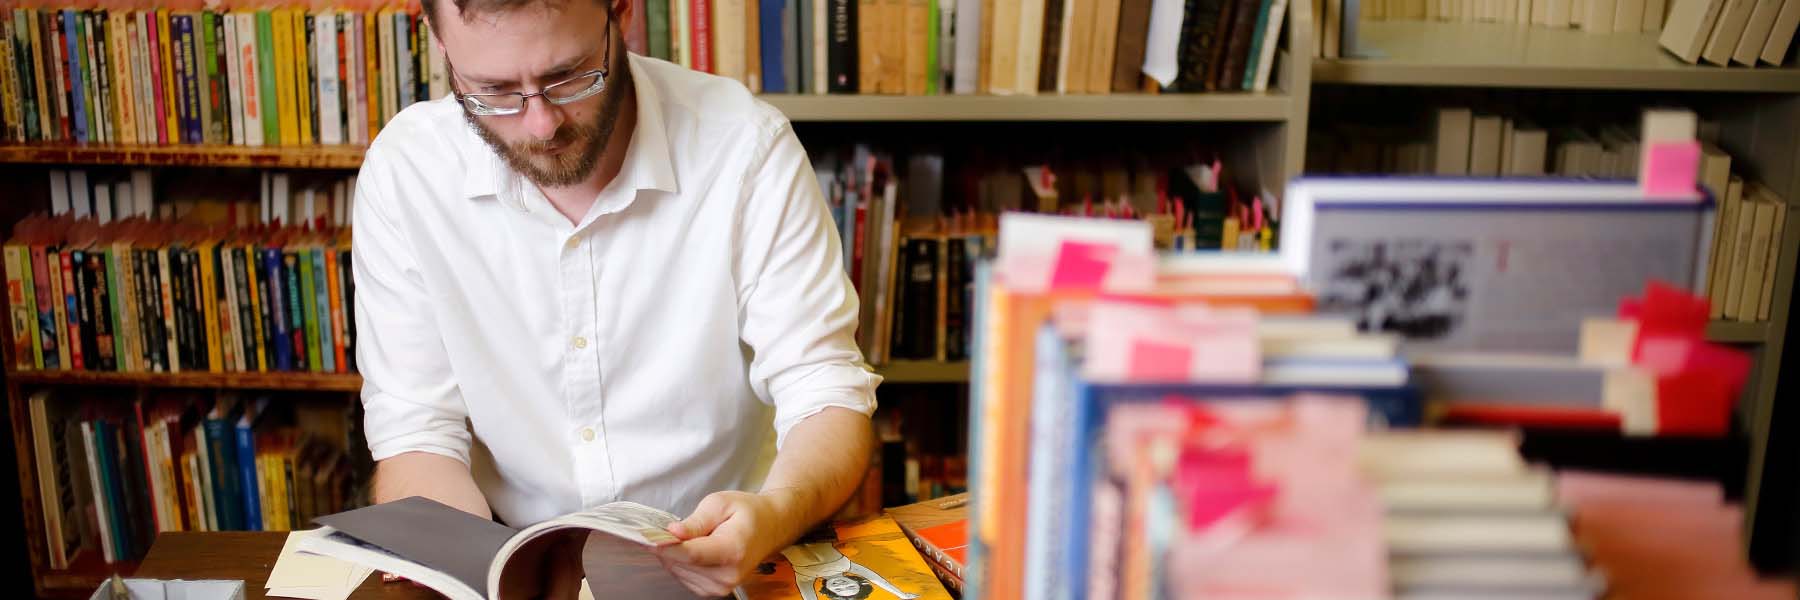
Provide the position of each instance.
(469, 8)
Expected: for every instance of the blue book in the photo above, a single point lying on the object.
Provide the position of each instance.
(105, 436)
(322, 290)
(774, 79)
(72, 54)
(224, 474)
(246, 466)
(275, 298)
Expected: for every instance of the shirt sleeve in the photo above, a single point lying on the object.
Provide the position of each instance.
(798, 311)
(410, 398)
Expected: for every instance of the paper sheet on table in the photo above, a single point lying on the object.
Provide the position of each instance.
(312, 577)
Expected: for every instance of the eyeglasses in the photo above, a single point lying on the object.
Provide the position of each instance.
(573, 89)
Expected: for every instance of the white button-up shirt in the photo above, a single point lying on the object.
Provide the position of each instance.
(656, 351)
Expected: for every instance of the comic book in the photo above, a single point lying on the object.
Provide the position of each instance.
(869, 559)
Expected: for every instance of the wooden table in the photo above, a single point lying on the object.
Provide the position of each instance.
(244, 555)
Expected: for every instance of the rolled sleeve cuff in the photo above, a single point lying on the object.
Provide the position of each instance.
(395, 427)
(846, 386)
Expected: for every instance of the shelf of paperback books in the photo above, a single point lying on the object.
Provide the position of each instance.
(210, 155)
(1498, 55)
(315, 382)
(1115, 107)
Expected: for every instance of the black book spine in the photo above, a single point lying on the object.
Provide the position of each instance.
(296, 315)
(347, 287)
(158, 333)
(1051, 49)
(1199, 36)
(197, 307)
(954, 300)
(221, 81)
(921, 298)
(841, 50)
(84, 302)
(246, 312)
(137, 499)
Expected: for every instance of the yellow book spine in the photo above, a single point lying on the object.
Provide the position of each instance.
(122, 72)
(209, 302)
(372, 72)
(302, 78)
(286, 103)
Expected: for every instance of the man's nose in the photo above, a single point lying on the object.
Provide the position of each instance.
(542, 118)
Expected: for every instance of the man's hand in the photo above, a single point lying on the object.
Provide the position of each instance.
(728, 534)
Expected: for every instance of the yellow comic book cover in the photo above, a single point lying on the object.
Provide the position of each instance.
(869, 559)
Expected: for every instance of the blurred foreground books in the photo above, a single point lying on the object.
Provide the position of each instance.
(1244, 425)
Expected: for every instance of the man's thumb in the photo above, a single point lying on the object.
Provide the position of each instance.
(712, 511)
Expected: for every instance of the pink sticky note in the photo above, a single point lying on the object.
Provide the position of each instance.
(1081, 265)
(1669, 169)
(1159, 361)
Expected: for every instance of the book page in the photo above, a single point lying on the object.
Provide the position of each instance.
(615, 542)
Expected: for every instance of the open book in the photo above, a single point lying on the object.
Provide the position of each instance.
(466, 557)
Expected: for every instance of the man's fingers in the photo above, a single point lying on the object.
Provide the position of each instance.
(711, 551)
(712, 511)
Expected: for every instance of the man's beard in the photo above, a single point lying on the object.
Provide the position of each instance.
(579, 145)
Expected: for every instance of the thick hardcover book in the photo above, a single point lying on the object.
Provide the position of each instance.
(841, 52)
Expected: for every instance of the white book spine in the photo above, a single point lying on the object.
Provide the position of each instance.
(234, 96)
(354, 103)
(143, 196)
(1266, 62)
(252, 88)
(331, 124)
(1726, 31)
(59, 193)
(78, 193)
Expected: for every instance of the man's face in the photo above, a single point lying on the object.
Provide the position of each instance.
(523, 50)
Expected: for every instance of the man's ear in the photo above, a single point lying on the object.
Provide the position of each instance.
(621, 10)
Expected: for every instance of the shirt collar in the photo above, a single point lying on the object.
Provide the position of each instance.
(648, 165)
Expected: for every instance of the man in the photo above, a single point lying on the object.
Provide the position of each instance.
(591, 276)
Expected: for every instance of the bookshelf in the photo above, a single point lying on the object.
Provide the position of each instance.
(1424, 53)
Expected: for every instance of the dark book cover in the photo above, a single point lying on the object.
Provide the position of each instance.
(246, 315)
(227, 490)
(221, 80)
(1237, 44)
(956, 300)
(1050, 52)
(151, 265)
(296, 311)
(1215, 63)
(193, 130)
(841, 53)
(916, 334)
(195, 328)
(1128, 53)
(203, 332)
(106, 450)
(137, 487)
(347, 287)
(135, 277)
(105, 111)
(84, 313)
(178, 301)
(275, 304)
(48, 336)
(770, 18)
(1200, 31)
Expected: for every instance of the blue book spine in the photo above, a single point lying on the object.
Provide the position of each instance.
(79, 96)
(246, 465)
(774, 79)
(104, 436)
(224, 475)
(275, 295)
(190, 81)
(323, 290)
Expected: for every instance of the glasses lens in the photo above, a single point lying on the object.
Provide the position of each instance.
(498, 104)
(574, 89)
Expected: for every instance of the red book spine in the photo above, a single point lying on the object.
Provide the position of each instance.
(700, 12)
(856, 253)
(156, 78)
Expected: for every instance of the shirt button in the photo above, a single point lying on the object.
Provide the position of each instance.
(580, 342)
(587, 434)
(573, 243)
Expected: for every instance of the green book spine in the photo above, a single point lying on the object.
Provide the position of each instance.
(209, 73)
(657, 27)
(310, 312)
(931, 48)
(265, 73)
(116, 307)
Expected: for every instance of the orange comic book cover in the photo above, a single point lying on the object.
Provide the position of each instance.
(869, 559)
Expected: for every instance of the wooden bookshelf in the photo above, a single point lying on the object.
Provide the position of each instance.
(1733, 332)
(923, 371)
(1426, 53)
(1048, 107)
(259, 157)
(312, 382)
(83, 576)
